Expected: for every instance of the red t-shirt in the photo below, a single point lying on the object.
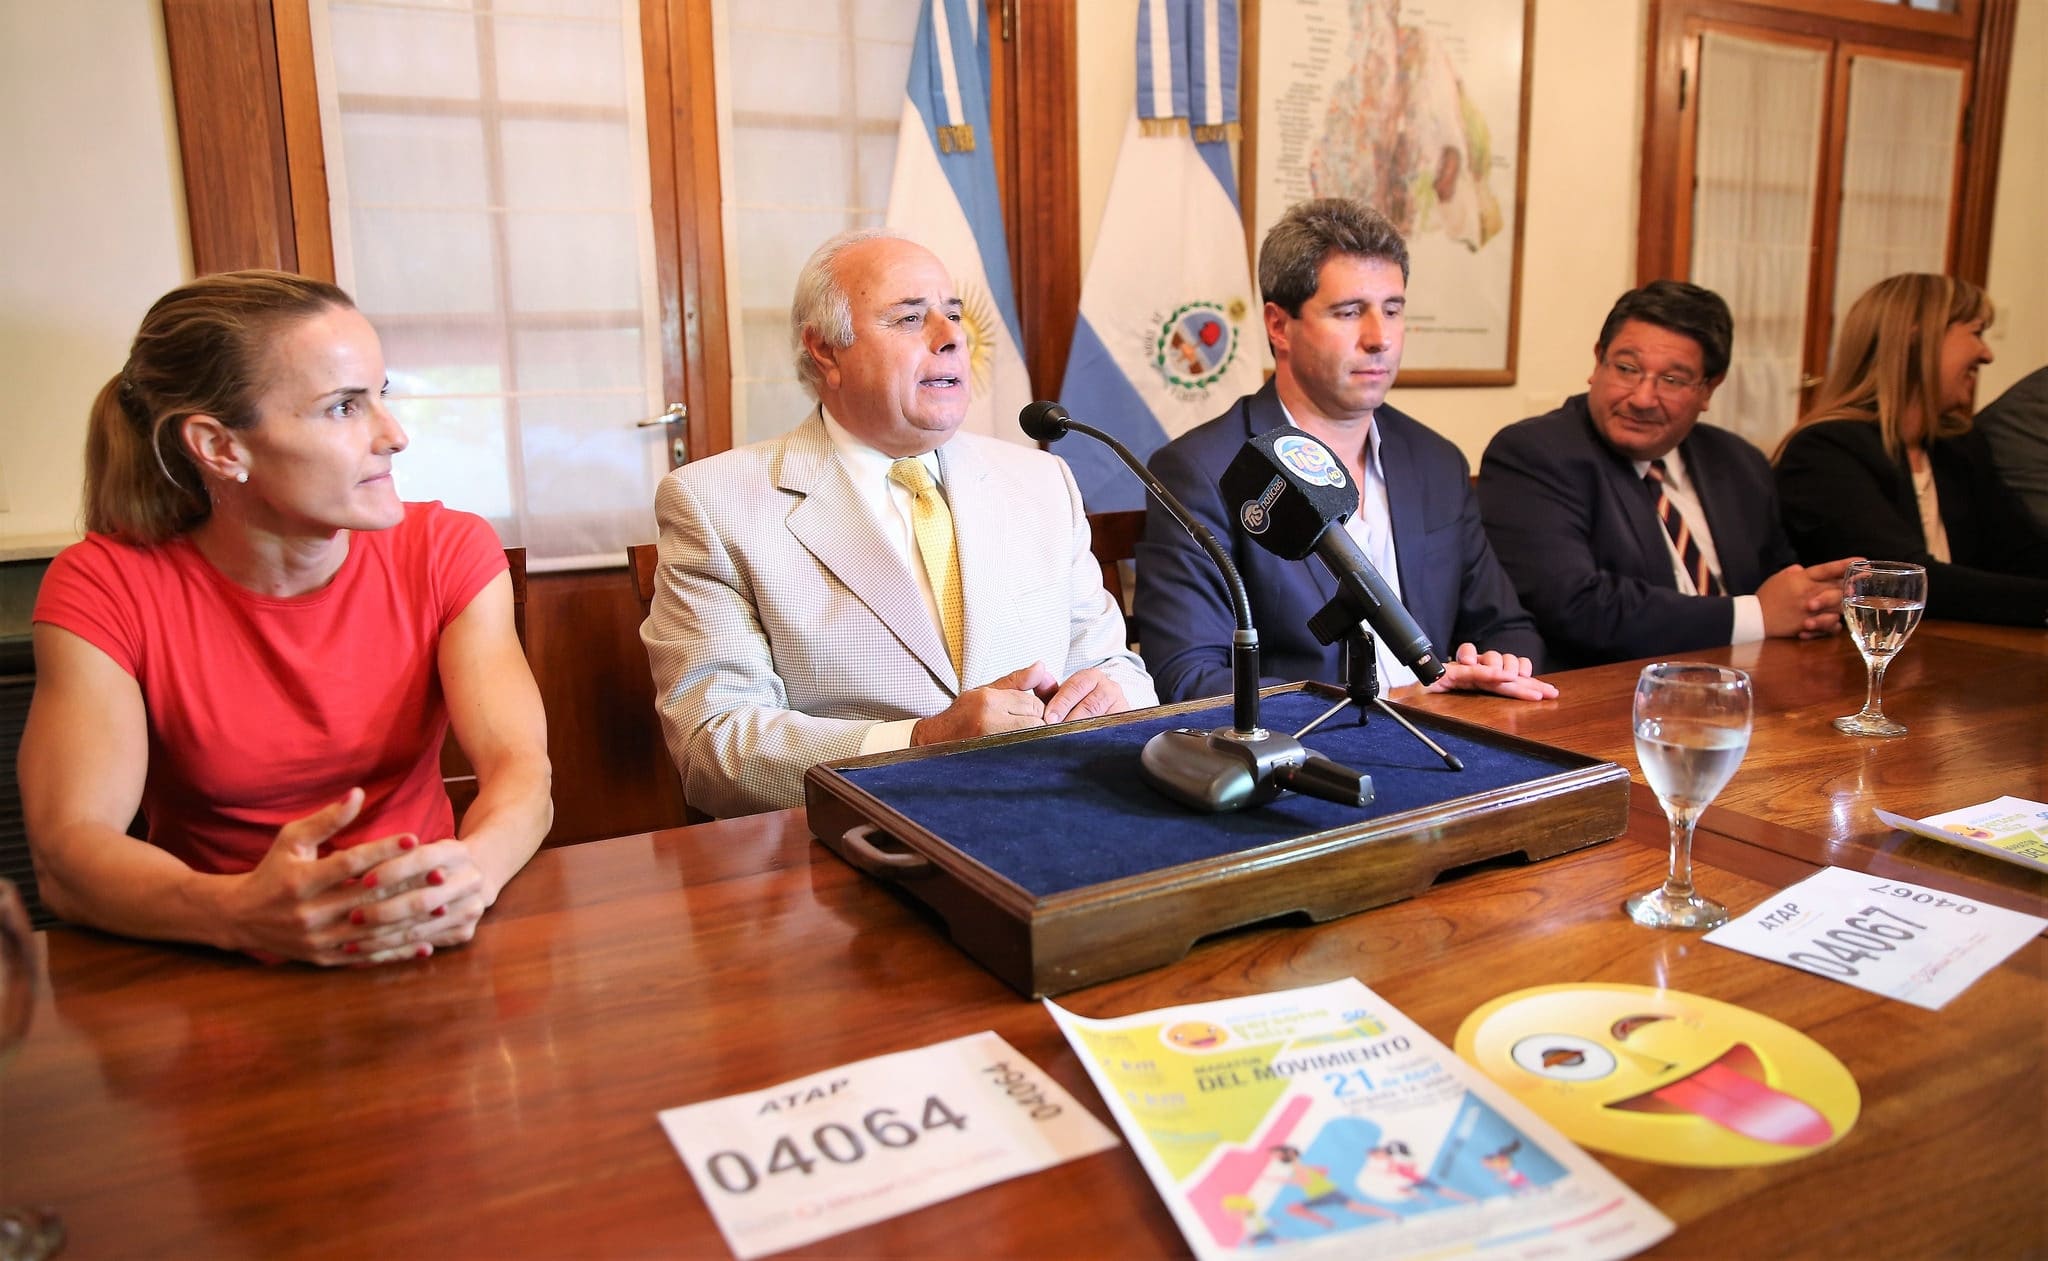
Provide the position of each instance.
(261, 709)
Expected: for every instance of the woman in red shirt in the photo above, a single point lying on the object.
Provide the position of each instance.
(261, 647)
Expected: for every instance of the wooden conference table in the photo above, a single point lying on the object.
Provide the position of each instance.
(500, 1100)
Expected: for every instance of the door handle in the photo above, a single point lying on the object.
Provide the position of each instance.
(675, 412)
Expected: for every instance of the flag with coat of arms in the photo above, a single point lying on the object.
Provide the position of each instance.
(942, 194)
(1169, 321)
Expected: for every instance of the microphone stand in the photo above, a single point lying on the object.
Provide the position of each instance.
(1362, 688)
(1244, 764)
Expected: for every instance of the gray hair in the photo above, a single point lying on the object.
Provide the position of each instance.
(1291, 257)
(821, 304)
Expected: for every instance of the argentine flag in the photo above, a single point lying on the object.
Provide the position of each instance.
(942, 194)
(1169, 324)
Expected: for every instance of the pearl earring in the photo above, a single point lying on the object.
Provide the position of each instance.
(242, 476)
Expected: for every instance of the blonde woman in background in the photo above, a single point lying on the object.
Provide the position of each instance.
(1887, 466)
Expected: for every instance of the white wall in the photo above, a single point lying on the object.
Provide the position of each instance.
(2018, 276)
(1579, 230)
(92, 230)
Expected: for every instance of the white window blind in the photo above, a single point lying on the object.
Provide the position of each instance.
(1898, 172)
(1756, 165)
(809, 98)
(488, 174)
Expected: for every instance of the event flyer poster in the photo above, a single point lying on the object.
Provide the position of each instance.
(2012, 828)
(1323, 1122)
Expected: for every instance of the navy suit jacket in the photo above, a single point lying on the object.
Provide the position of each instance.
(1449, 578)
(1577, 530)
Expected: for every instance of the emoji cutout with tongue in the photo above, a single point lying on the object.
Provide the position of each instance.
(1663, 1076)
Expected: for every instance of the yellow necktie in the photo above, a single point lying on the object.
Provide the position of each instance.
(932, 521)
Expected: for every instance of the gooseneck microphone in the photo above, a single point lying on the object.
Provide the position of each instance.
(1231, 767)
(1049, 422)
(1293, 496)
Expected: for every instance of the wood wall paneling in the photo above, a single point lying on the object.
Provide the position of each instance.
(305, 154)
(682, 139)
(1036, 116)
(1983, 136)
(663, 120)
(1666, 105)
(231, 133)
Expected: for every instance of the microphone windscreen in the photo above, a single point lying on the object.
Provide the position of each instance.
(1043, 421)
(1286, 488)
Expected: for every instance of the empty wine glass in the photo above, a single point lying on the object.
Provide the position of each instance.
(1881, 603)
(1692, 728)
(26, 1234)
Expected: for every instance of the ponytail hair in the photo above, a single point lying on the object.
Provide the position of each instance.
(201, 350)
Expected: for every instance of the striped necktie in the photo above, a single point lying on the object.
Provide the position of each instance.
(932, 522)
(1704, 580)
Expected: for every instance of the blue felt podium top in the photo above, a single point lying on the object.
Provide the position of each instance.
(1071, 810)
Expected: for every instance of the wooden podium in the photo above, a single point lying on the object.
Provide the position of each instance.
(1053, 865)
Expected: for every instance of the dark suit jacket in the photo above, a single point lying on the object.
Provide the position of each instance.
(1577, 530)
(1844, 496)
(2016, 426)
(1449, 579)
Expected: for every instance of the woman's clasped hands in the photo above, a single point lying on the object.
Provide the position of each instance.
(380, 901)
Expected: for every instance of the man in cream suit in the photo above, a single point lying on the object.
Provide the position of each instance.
(874, 579)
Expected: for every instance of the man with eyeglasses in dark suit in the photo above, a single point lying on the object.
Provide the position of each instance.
(1631, 530)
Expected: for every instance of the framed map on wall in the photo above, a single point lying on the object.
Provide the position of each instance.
(1418, 108)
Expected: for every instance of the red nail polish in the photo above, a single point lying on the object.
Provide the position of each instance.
(356, 916)
(435, 877)
(348, 947)
(422, 952)
(370, 880)
(440, 910)
(408, 842)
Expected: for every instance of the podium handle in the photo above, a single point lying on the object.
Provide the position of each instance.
(862, 853)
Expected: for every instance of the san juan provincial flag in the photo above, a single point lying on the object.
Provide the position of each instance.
(1169, 319)
(942, 194)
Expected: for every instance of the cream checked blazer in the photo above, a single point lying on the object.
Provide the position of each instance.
(784, 625)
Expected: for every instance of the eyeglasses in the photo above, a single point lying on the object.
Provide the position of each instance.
(1669, 387)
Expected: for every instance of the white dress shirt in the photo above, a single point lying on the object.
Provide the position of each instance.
(1749, 611)
(889, 506)
(1372, 528)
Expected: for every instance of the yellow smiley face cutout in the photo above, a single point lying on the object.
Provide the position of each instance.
(1196, 1035)
(1663, 1076)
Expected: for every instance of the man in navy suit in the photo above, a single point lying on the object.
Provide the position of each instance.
(1579, 502)
(1334, 275)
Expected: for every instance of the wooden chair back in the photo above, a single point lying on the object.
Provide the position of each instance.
(1113, 537)
(640, 562)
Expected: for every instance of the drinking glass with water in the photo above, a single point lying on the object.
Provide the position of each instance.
(1881, 604)
(1692, 728)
